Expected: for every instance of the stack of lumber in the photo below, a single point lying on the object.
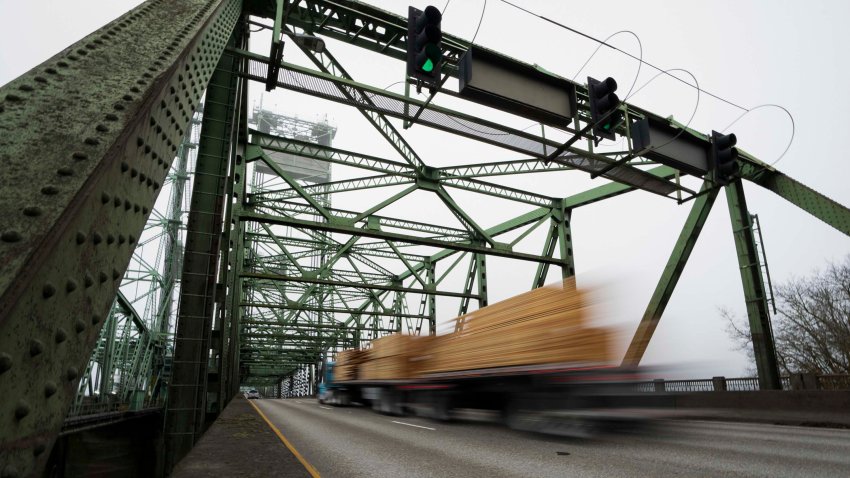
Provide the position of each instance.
(546, 325)
(389, 358)
(348, 362)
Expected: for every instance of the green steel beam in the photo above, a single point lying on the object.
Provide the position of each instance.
(326, 153)
(379, 234)
(754, 291)
(356, 285)
(798, 194)
(79, 173)
(186, 411)
(672, 271)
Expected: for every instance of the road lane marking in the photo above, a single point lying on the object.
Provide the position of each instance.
(297, 401)
(326, 408)
(307, 465)
(412, 425)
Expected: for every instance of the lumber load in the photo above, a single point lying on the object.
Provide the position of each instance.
(546, 325)
(348, 362)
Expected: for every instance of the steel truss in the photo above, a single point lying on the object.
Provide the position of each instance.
(276, 273)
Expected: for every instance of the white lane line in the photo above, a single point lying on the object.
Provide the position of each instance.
(297, 401)
(326, 408)
(412, 425)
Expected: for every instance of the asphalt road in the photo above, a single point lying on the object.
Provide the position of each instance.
(355, 442)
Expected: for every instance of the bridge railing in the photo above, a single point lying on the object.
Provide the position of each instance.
(797, 381)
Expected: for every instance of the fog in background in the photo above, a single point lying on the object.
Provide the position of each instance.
(750, 53)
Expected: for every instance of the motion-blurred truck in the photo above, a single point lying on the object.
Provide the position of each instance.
(534, 358)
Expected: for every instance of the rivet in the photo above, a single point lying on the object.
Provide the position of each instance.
(127, 98)
(142, 177)
(62, 64)
(50, 71)
(110, 239)
(92, 141)
(118, 106)
(115, 274)
(38, 449)
(102, 278)
(133, 173)
(10, 236)
(79, 326)
(144, 210)
(96, 238)
(95, 319)
(149, 182)
(88, 281)
(71, 285)
(127, 204)
(5, 362)
(101, 128)
(25, 88)
(60, 336)
(117, 202)
(65, 171)
(112, 117)
(104, 198)
(48, 290)
(40, 79)
(36, 347)
(13, 97)
(72, 373)
(124, 166)
(132, 239)
(136, 208)
(121, 239)
(22, 409)
(81, 238)
(32, 211)
(79, 156)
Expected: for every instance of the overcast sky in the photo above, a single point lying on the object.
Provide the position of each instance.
(750, 53)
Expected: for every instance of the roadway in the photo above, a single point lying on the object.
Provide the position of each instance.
(354, 442)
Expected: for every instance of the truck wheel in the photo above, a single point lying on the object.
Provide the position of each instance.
(441, 407)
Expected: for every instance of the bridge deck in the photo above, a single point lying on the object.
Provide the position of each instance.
(240, 443)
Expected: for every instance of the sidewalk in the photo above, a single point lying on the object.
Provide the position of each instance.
(239, 444)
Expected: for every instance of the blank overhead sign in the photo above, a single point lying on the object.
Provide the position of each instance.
(500, 82)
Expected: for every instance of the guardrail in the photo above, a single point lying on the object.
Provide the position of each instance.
(797, 381)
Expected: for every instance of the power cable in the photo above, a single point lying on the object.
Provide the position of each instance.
(443, 11)
(585, 35)
(480, 21)
(640, 60)
(790, 116)
(696, 106)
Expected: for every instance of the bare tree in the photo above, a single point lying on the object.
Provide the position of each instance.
(811, 329)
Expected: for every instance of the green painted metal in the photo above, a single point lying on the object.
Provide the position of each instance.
(101, 163)
(187, 398)
(802, 196)
(672, 271)
(754, 290)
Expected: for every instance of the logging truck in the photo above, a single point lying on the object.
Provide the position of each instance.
(533, 358)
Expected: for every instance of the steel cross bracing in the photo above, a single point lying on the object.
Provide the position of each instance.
(102, 162)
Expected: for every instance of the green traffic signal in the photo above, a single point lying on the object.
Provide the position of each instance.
(428, 66)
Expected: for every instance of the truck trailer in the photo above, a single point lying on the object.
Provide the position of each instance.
(533, 359)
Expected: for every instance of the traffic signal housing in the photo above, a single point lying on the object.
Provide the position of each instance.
(424, 44)
(604, 103)
(724, 157)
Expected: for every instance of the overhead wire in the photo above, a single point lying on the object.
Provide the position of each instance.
(665, 72)
(589, 37)
(640, 59)
(480, 21)
(790, 116)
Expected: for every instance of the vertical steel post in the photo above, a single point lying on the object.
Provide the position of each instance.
(186, 412)
(754, 291)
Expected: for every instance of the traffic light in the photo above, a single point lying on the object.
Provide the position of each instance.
(424, 50)
(603, 101)
(724, 156)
